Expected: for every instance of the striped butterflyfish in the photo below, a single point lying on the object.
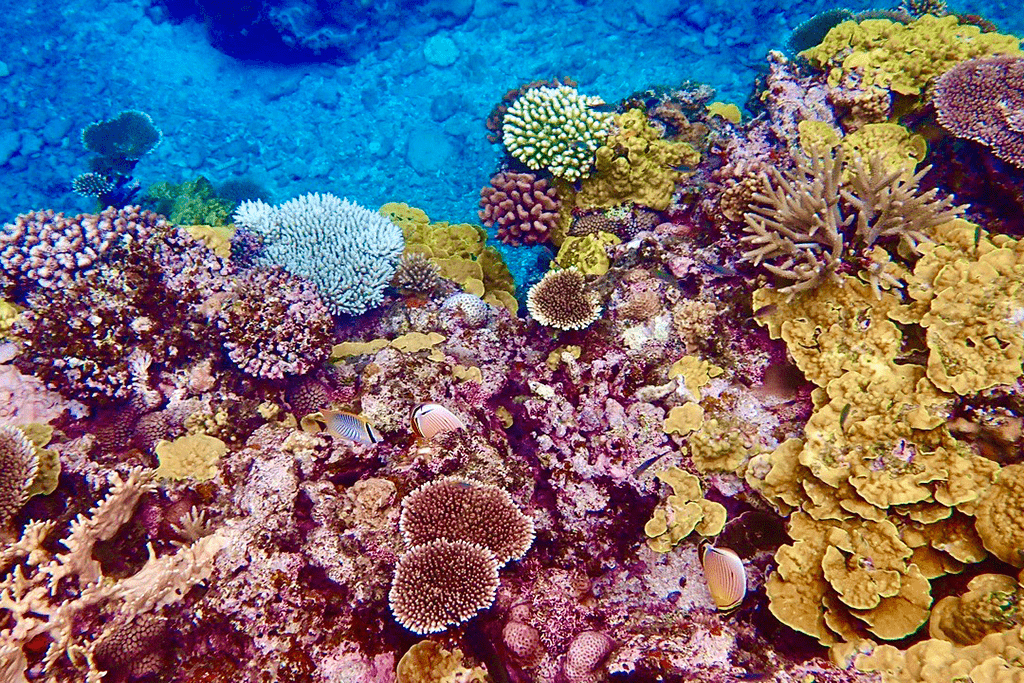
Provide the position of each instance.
(726, 577)
(350, 426)
(431, 419)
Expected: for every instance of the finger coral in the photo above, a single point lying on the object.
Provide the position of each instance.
(563, 300)
(348, 251)
(455, 509)
(555, 129)
(522, 206)
(441, 584)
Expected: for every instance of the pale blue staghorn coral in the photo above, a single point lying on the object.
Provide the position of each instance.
(348, 251)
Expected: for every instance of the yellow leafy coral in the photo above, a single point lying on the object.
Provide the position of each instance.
(968, 290)
(683, 512)
(194, 456)
(999, 516)
(636, 165)
(428, 662)
(903, 57)
(992, 603)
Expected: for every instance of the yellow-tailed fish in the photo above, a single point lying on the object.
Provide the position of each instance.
(350, 426)
(726, 577)
(431, 419)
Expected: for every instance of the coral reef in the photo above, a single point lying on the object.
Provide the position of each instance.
(522, 206)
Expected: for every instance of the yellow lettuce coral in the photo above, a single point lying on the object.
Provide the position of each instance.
(587, 252)
(895, 145)
(696, 373)
(999, 516)
(428, 662)
(194, 456)
(683, 512)
(992, 603)
(969, 292)
(904, 57)
(636, 165)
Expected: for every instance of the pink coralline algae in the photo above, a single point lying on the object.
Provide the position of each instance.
(983, 100)
(522, 206)
(300, 337)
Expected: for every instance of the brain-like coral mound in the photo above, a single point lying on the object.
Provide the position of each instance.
(441, 584)
(300, 337)
(133, 644)
(556, 129)
(461, 509)
(348, 251)
(563, 300)
(522, 206)
(983, 100)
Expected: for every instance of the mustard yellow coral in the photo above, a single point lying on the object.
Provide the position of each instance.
(903, 57)
(683, 512)
(968, 289)
(636, 165)
(992, 603)
(999, 517)
(428, 662)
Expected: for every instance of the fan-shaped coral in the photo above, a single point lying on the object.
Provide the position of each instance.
(461, 509)
(563, 300)
(441, 584)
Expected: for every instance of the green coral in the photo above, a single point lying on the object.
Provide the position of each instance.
(895, 145)
(904, 57)
(193, 202)
(556, 129)
(587, 252)
(636, 165)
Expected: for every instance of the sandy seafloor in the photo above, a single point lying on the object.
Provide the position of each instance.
(389, 127)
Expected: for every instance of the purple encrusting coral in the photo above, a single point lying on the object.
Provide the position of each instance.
(201, 497)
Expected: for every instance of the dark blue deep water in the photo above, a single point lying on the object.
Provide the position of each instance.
(293, 96)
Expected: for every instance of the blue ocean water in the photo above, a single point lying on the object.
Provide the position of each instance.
(384, 119)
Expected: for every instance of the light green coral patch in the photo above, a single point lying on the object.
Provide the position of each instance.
(556, 129)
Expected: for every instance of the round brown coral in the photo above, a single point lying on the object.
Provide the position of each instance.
(461, 509)
(19, 463)
(441, 584)
(522, 206)
(134, 645)
(415, 274)
(562, 300)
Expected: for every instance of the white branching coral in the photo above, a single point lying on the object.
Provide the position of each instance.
(348, 251)
(42, 593)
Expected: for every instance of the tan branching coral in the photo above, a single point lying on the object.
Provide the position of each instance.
(808, 221)
(683, 512)
(44, 594)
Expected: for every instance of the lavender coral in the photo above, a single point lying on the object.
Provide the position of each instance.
(348, 251)
(983, 100)
(296, 344)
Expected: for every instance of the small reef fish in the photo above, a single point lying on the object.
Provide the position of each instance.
(726, 577)
(351, 426)
(603, 107)
(431, 419)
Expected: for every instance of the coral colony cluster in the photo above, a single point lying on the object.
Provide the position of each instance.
(762, 419)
